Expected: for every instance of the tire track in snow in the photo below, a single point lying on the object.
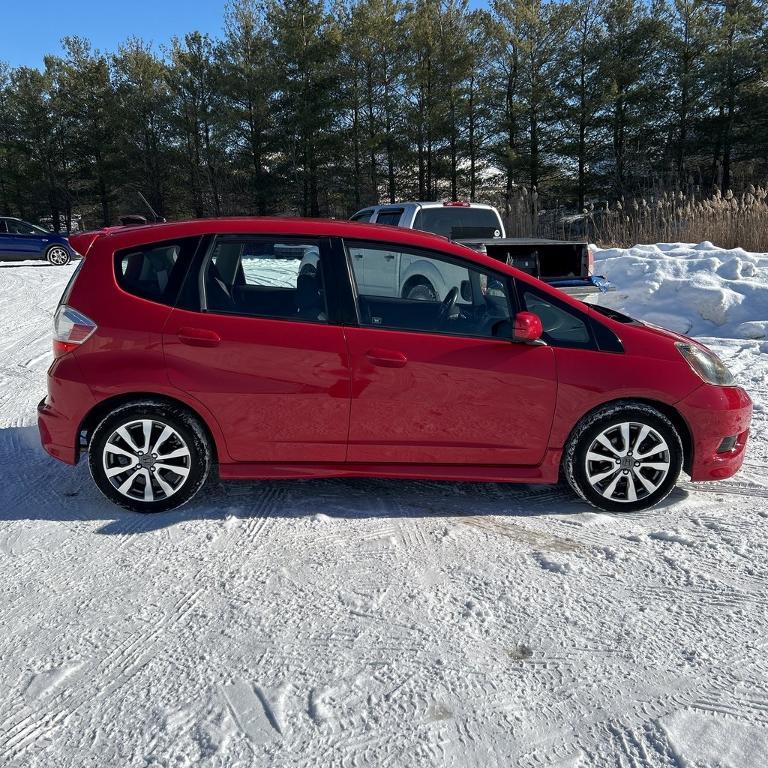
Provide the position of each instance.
(21, 729)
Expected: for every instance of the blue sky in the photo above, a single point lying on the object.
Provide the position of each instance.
(34, 28)
(29, 30)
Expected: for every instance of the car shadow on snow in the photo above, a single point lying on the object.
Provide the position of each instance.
(39, 488)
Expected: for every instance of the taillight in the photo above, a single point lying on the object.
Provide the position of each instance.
(70, 329)
(590, 262)
(457, 204)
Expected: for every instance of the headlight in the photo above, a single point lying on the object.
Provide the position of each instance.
(707, 365)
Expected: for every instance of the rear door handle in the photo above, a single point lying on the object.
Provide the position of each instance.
(386, 358)
(198, 337)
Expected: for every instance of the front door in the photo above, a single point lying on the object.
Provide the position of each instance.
(24, 241)
(261, 355)
(440, 382)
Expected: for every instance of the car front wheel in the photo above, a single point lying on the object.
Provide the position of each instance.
(149, 456)
(624, 457)
(57, 255)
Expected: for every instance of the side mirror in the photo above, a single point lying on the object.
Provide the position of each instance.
(466, 290)
(527, 327)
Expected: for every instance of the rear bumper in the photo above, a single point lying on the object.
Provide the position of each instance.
(714, 413)
(56, 435)
(60, 414)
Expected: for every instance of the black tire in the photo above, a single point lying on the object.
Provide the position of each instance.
(609, 419)
(187, 433)
(58, 256)
(420, 289)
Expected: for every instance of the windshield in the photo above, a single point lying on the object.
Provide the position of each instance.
(456, 223)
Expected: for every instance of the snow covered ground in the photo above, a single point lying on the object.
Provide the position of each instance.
(378, 623)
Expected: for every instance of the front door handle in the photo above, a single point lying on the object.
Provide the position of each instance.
(198, 337)
(386, 358)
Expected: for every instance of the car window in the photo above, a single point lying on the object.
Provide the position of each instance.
(417, 290)
(561, 327)
(155, 271)
(266, 277)
(24, 228)
(363, 215)
(457, 222)
(3, 229)
(389, 216)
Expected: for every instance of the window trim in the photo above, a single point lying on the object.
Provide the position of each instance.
(428, 254)
(243, 236)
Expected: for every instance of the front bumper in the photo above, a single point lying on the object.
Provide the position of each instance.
(714, 413)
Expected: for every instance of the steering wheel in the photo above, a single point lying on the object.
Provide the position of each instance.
(447, 304)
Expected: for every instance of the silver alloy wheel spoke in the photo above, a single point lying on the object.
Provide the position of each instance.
(603, 475)
(125, 487)
(640, 474)
(631, 489)
(177, 454)
(652, 451)
(603, 440)
(641, 435)
(118, 450)
(625, 437)
(134, 466)
(115, 471)
(649, 486)
(611, 489)
(164, 435)
(182, 471)
(146, 427)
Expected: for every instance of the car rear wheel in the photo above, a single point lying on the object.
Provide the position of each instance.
(57, 255)
(623, 458)
(149, 456)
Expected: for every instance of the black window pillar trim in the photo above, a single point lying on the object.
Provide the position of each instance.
(342, 302)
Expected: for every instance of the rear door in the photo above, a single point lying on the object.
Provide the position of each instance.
(253, 341)
(440, 381)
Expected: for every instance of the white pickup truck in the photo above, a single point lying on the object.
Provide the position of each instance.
(565, 265)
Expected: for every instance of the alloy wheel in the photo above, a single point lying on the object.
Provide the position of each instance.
(627, 462)
(58, 256)
(146, 460)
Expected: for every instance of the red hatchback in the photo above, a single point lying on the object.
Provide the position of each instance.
(291, 348)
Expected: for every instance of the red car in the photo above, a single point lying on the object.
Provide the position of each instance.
(289, 348)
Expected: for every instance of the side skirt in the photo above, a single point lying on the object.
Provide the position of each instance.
(546, 472)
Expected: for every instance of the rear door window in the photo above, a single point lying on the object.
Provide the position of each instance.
(363, 215)
(265, 276)
(155, 272)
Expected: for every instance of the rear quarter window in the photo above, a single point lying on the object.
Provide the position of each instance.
(155, 271)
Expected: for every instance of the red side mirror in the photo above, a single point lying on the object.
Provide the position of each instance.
(527, 327)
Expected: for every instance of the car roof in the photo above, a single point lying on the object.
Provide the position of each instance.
(148, 233)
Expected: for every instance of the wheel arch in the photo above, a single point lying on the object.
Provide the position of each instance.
(680, 424)
(423, 271)
(99, 411)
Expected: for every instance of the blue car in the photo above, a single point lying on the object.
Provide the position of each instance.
(20, 240)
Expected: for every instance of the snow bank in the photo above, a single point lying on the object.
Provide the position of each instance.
(699, 290)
